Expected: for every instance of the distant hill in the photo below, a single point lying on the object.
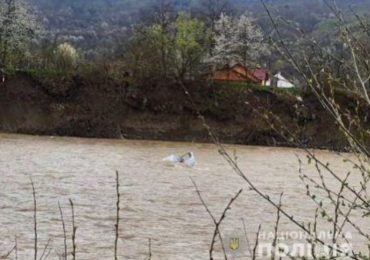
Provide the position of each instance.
(91, 24)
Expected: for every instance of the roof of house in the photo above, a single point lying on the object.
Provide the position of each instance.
(241, 69)
(260, 74)
(256, 76)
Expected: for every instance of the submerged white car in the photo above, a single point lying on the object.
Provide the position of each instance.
(187, 159)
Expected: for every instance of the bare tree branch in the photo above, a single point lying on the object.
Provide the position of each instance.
(117, 217)
(217, 223)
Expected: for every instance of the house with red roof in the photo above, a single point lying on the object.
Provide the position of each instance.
(240, 73)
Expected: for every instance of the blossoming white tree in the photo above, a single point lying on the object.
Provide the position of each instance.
(225, 40)
(237, 40)
(251, 40)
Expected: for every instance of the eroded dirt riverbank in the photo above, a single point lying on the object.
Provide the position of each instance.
(105, 110)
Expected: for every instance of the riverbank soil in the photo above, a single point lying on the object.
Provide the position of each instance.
(106, 109)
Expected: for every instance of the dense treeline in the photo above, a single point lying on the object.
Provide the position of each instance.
(158, 39)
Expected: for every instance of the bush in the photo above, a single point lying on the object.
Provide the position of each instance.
(66, 57)
(55, 82)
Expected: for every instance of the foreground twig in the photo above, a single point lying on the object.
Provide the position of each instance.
(216, 223)
(254, 256)
(74, 229)
(217, 228)
(8, 253)
(64, 231)
(246, 237)
(34, 218)
(16, 248)
(44, 254)
(276, 230)
(117, 216)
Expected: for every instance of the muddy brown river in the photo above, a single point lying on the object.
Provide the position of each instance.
(158, 200)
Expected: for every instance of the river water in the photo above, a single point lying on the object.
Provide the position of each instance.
(158, 200)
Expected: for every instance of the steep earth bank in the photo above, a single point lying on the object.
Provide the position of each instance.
(164, 112)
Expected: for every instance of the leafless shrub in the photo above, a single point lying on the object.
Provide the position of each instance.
(217, 223)
(254, 255)
(246, 237)
(34, 218)
(16, 248)
(74, 230)
(46, 252)
(117, 216)
(64, 232)
(276, 230)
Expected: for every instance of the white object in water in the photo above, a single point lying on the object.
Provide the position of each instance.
(172, 158)
(187, 159)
